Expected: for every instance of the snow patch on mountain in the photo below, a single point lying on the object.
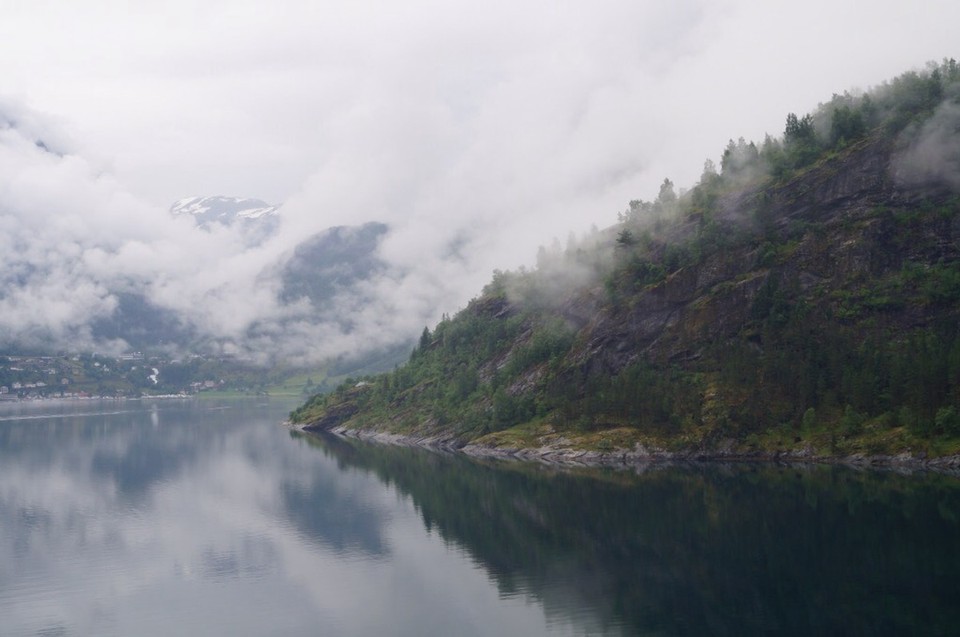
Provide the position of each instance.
(225, 210)
(255, 220)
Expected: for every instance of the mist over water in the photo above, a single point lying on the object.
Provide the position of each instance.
(199, 517)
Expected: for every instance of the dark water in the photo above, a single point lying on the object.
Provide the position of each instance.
(197, 518)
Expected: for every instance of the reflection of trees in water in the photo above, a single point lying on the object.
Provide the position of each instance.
(701, 549)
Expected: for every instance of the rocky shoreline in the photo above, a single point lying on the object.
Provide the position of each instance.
(561, 456)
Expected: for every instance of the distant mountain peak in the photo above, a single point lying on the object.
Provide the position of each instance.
(224, 210)
(257, 220)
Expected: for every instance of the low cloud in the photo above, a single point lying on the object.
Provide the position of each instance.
(76, 241)
(476, 133)
(933, 155)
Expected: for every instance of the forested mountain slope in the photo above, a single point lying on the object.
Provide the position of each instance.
(804, 296)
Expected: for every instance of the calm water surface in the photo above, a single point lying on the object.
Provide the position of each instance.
(204, 518)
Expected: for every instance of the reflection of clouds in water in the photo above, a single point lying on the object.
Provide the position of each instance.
(92, 542)
(248, 556)
(244, 531)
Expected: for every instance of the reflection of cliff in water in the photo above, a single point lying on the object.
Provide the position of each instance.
(697, 550)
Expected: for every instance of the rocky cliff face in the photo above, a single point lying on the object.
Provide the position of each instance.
(841, 228)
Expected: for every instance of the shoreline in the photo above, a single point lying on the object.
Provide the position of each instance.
(642, 457)
(67, 399)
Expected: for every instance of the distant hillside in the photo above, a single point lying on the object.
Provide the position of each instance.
(803, 297)
(332, 260)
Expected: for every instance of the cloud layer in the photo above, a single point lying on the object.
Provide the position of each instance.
(477, 132)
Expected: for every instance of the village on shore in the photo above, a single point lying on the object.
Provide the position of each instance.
(131, 375)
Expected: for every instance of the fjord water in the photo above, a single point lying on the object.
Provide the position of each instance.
(205, 518)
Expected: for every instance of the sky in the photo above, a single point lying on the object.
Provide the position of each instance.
(493, 127)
